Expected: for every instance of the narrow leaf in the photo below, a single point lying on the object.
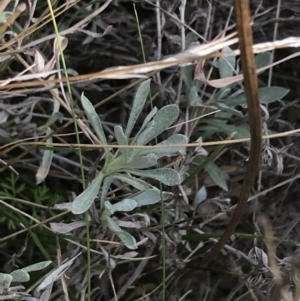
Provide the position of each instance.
(222, 94)
(84, 201)
(211, 157)
(262, 59)
(226, 64)
(120, 136)
(53, 118)
(141, 137)
(139, 140)
(270, 94)
(94, 120)
(145, 124)
(166, 176)
(2, 278)
(5, 282)
(108, 208)
(241, 131)
(162, 120)
(230, 110)
(214, 172)
(168, 151)
(149, 197)
(125, 205)
(136, 183)
(266, 95)
(66, 228)
(187, 73)
(200, 196)
(121, 139)
(115, 165)
(193, 97)
(105, 187)
(56, 274)
(46, 161)
(138, 104)
(143, 162)
(37, 266)
(127, 255)
(128, 240)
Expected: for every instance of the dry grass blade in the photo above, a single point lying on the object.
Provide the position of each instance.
(209, 50)
(3, 5)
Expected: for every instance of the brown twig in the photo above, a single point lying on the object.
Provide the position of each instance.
(251, 90)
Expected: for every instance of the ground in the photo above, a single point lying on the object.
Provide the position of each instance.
(173, 204)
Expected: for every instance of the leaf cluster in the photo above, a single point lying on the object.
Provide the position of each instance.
(19, 275)
(132, 165)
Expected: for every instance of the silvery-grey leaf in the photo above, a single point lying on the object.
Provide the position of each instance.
(168, 151)
(117, 162)
(223, 116)
(143, 162)
(108, 207)
(139, 138)
(127, 255)
(162, 120)
(44, 168)
(241, 131)
(266, 95)
(222, 94)
(120, 136)
(83, 202)
(5, 282)
(230, 110)
(193, 97)
(125, 205)
(66, 228)
(128, 240)
(94, 120)
(37, 266)
(263, 59)
(149, 197)
(136, 183)
(145, 123)
(138, 105)
(20, 276)
(53, 118)
(105, 213)
(166, 176)
(270, 94)
(67, 206)
(226, 64)
(2, 278)
(56, 274)
(105, 187)
(200, 196)
(187, 75)
(214, 172)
